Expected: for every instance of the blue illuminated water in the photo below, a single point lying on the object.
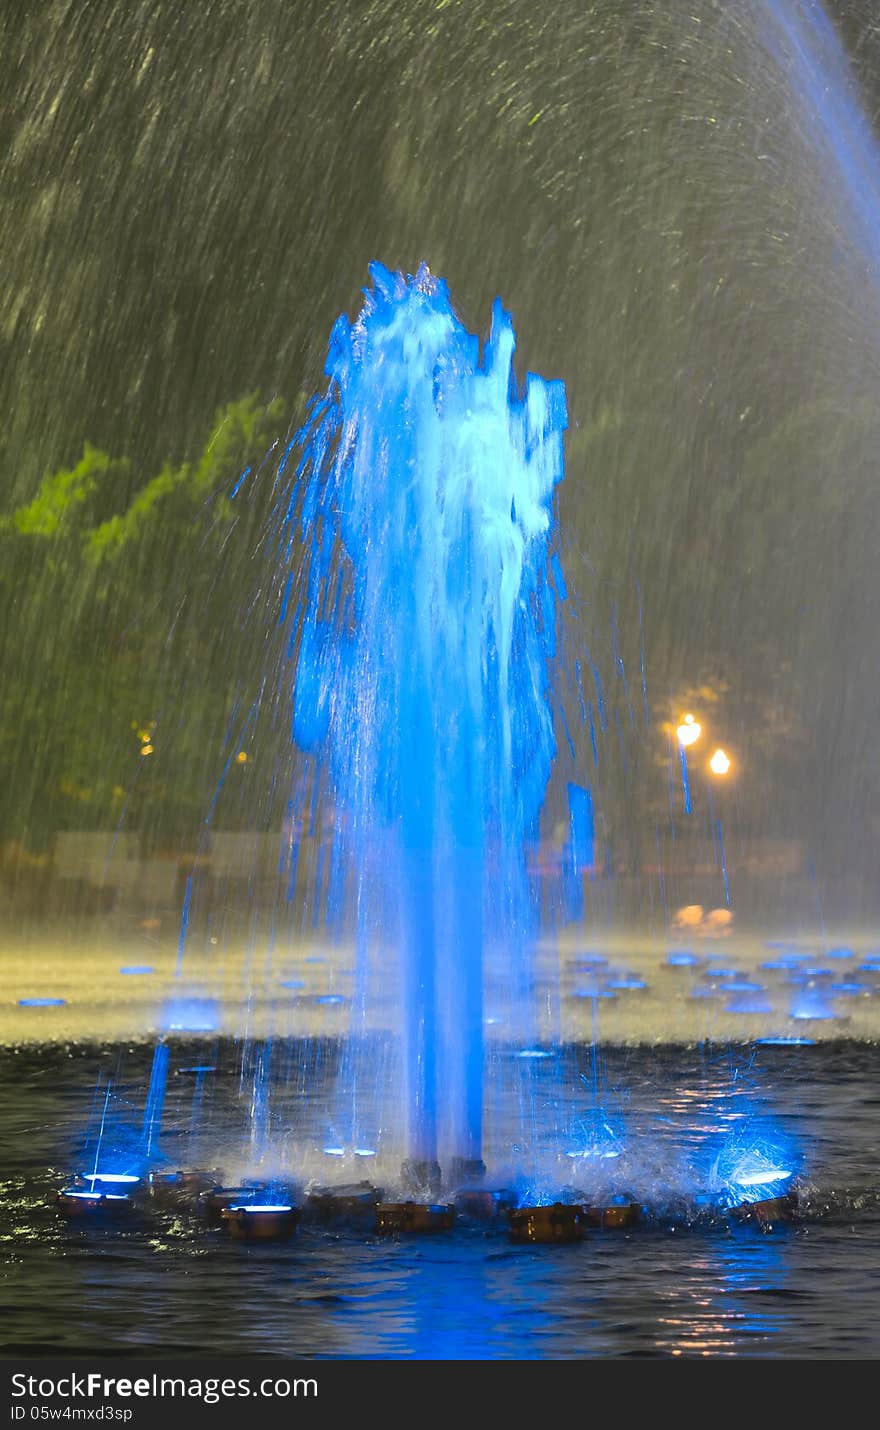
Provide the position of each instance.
(422, 628)
(689, 1126)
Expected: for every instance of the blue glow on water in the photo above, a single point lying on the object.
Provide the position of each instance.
(111, 1178)
(754, 1165)
(786, 1042)
(811, 1004)
(682, 959)
(134, 968)
(190, 1015)
(749, 1004)
(251, 1207)
(41, 1002)
(426, 628)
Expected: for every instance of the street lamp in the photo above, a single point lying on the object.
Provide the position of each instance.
(689, 731)
(720, 763)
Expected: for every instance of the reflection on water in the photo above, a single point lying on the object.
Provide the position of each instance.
(672, 1288)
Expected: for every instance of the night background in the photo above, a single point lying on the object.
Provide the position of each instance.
(191, 195)
(275, 1007)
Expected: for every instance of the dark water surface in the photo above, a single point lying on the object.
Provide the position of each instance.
(672, 1288)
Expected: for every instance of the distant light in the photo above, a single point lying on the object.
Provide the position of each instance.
(719, 763)
(334, 1151)
(761, 1179)
(682, 960)
(333, 999)
(365, 1151)
(689, 731)
(41, 1002)
(603, 1152)
(533, 1053)
(293, 983)
(146, 749)
(241, 758)
(627, 983)
(201, 1068)
(840, 953)
(137, 968)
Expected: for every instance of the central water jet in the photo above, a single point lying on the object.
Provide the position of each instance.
(421, 518)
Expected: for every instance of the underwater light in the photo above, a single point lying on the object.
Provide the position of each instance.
(110, 1177)
(762, 1179)
(75, 1203)
(93, 1196)
(251, 1208)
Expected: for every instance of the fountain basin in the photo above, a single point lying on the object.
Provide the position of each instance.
(484, 1203)
(394, 1217)
(183, 1188)
(771, 1210)
(261, 1221)
(93, 1205)
(556, 1224)
(616, 1216)
(355, 1202)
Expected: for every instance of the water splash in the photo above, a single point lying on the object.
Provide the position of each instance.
(422, 519)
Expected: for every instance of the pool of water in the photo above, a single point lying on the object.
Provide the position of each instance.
(681, 1285)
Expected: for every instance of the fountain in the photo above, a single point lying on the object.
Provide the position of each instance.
(419, 527)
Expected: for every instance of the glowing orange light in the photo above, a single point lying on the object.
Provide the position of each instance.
(719, 763)
(241, 758)
(689, 731)
(146, 749)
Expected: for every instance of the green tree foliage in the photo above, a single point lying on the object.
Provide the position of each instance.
(126, 643)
